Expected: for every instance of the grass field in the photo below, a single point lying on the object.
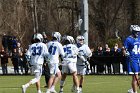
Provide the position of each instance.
(93, 84)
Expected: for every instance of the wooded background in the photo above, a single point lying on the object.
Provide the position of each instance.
(109, 20)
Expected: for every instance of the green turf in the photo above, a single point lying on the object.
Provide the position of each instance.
(93, 84)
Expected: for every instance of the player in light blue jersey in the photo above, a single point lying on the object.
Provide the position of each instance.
(36, 54)
(132, 45)
(69, 62)
(55, 49)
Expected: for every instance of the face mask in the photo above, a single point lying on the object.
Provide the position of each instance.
(79, 45)
(115, 47)
(135, 34)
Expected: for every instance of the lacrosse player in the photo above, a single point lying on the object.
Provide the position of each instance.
(55, 49)
(132, 46)
(36, 54)
(69, 62)
(82, 63)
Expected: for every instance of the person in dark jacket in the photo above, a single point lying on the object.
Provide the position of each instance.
(20, 55)
(100, 66)
(108, 60)
(15, 58)
(25, 62)
(4, 41)
(14, 42)
(116, 52)
(45, 65)
(4, 61)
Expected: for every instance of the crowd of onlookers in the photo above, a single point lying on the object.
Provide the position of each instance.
(12, 51)
(105, 60)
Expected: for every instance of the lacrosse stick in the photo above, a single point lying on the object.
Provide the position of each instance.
(78, 25)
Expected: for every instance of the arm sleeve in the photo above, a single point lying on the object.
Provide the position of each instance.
(88, 52)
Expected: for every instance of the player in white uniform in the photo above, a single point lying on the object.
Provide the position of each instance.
(55, 49)
(69, 62)
(84, 52)
(36, 54)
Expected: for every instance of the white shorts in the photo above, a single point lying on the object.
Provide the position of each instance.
(69, 67)
(81, 70)
(53, 68)
(36, 69)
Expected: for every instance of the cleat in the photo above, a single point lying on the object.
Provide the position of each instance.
(80, 89)
(53, 91)
(48, 91)
(24, 89)
(39, 91)
(130, 90)
(61, 90)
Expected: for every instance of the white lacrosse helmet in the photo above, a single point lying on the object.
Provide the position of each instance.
(57, 35)
(80, 39)
(70, 39)
(39, 37)
(135, 28)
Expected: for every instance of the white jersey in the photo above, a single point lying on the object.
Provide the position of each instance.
(37, 52)
(55, 49)
(84, 51)
(71, 52)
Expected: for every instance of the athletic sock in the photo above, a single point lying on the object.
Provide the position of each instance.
(27, 85)
(80, 86)
(62, 83)
(77, 88)
(53, 87)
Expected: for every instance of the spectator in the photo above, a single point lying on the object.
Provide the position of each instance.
(10, 44)
(46, 73)
(25, 62)
(108, 60)
(92, 62)
(15, 58)
(4, 42)
(14, 42)
(116, 52)
(100, 65)
(20, 55)
(123, 60)
(4, 61)
(45, 65)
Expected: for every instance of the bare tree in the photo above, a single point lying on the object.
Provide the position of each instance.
(23, 17)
